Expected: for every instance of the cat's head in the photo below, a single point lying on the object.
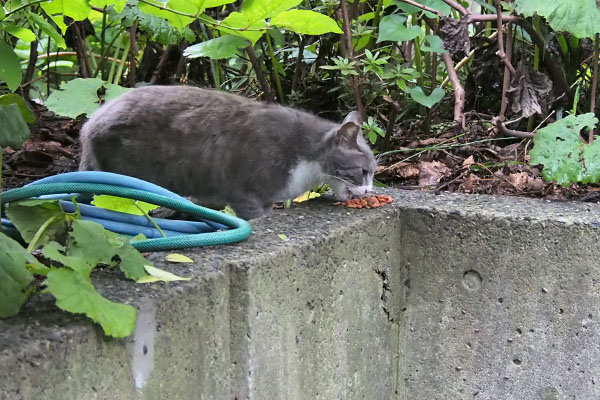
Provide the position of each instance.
(351, 161)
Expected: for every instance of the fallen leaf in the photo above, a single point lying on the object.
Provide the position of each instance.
(282, 237)
(306, 196)
(178, 258)
(431, 173)
(468, 162)
(157, 274)
(518, 179)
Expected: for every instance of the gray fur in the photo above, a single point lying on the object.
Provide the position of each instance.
(224, 149)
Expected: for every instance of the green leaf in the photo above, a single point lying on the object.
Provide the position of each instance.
(48, 29)
(76, 9)
(55, 251)
(439, 5)
(225, 46)
(436, 45)
(579, 17)
(428, 101)
(178, 21)
(258, 10)
(157, 28)
(240, 21)
(122, 204)
(80, 96)
(14, 129)
(565, 157)
(28, 216)
(10, 67)
(216, 3)
(306, 22)
(15, 278)
(117, 4)
(393, 28)
(157, 274)
(94, 244)
(18, 31)
(13, 98)
(178, 258)
(75, 293)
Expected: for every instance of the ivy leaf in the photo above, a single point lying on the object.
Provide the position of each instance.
(225, 46)
(28, 216)
(76, 9)
(565, 157)
(240, 21)
(258, 10)
(14, 129)
(157, 274)
(15, 278)
(48, 29)
(428, 101)
(392, 28)
(436, 45)
(75, 293)
(579, 17)
(306, 22)
(20, 32)
(122, 204)
(10, 67)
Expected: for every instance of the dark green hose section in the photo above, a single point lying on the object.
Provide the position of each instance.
(240, 229)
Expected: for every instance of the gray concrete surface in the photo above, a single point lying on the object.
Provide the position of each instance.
(433, 297)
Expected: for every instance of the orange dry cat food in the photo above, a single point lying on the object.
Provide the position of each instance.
(367, 202)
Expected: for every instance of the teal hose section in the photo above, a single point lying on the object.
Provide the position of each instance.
(240, 229)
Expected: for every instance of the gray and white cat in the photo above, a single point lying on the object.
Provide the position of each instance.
(220, 149)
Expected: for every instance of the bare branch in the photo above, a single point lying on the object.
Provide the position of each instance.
(459, 91)
(509, 132)
(501, 52)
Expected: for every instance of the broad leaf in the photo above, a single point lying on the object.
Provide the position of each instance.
(28, 216)
(122, 204)
(20, 32)
(80, 96)
(565, 157)
(393, 28)
(10, 67)
(225, 46)
(55, 251)
(48, 29)
(258, 10)
(75, 293)
(439, 5)
(177, 20)
(76, 9)
(117, 4)
(13, 98)
(240, 21)
(428, 101)
(94, 244)
(305, 22)
(14, 129)
(579, 17)
(15, 278)
(435, 44)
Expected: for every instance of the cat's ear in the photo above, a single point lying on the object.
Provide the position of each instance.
(355, 117)
(347, 133)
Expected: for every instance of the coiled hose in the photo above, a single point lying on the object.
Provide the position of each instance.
(216, 227)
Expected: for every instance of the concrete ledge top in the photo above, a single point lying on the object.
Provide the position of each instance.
(303, 225)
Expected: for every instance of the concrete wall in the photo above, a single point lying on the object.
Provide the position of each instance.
(435, 297)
